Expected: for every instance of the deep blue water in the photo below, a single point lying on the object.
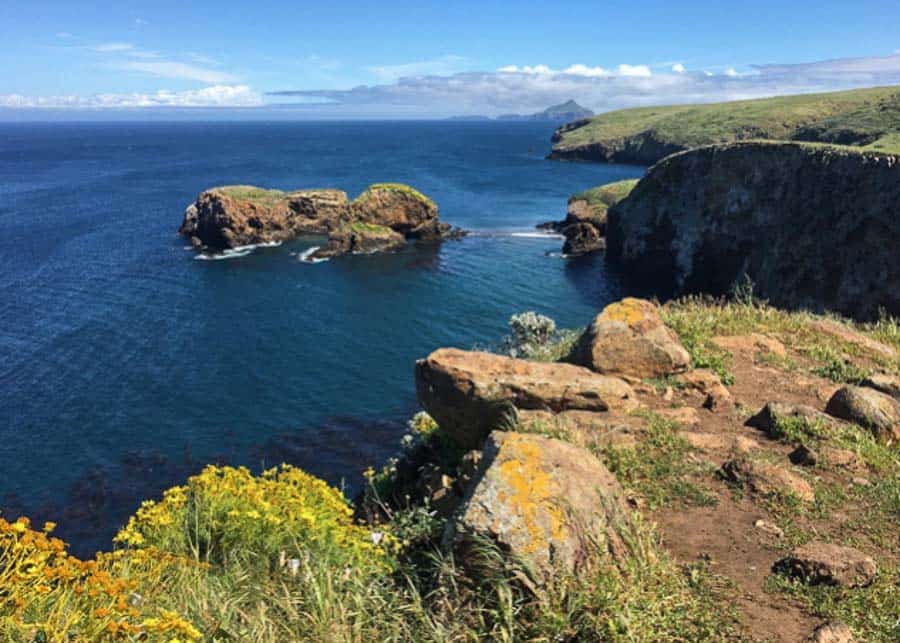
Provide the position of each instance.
(125, 364)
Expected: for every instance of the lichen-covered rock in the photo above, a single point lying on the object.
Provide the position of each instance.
(360, 238)
(768, 418)
(812, 227)
(630, 338)
(242, 215)
(868, 408)
(823, 563)
(547, 502)
(470, 393)
(766, 479)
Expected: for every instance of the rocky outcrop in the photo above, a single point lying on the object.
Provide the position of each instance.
(243, 215)
(382, 217)
(770, 418)
(471, 393)
(585, 224)
(644, 148)
(547, 502)
(630, 338)
(823, 563)
(869, 408)
(360, 238)
(811, 227)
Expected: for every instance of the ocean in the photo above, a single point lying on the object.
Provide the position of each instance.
(126, 364)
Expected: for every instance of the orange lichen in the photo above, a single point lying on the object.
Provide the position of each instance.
(630, 311)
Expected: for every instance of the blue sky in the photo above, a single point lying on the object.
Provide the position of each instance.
(419, 59)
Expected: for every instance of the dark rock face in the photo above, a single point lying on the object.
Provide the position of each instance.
(360, 240)
(812, 227)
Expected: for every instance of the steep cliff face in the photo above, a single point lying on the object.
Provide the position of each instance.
(812, 227)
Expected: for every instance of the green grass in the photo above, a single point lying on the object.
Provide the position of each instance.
(657, 466)
(369, 228)
(868, 117)
(603, 197)
(251, 193)
(398, 187)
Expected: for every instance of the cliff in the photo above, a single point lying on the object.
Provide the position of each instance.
(868, 118)
(585, 224)
(383, 217)
(811, 226)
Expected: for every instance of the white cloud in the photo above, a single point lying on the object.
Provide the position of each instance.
(527, 89)
(635, 70)
(214, 96)
(678, 68)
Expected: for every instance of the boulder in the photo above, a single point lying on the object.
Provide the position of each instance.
(868, 408)
(884, 383)
(832, 633)
(804, 456)
(767, 419)
(547, 502)
(766, 479)
(823, 563)
(470, 393)
(360, 238)
(401, 208)
(629, 338)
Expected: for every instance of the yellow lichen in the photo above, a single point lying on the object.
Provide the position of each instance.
(530, 487)
(629, 311)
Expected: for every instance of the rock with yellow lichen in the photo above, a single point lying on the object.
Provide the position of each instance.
(549, 503)
(629, 338)
(469, 392)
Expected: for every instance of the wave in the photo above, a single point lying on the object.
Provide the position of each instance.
(537, 235)
(307, 256)
(236, 252)
(521, 234)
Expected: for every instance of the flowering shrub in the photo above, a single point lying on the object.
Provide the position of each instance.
(227, 511)
(46, 594)
(536, 337)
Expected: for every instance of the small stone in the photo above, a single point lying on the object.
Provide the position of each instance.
(768, 417)
(832, 633)
(708, 383)
(823, 563)
(765, 479)
(669, 394)
(861, 482)
(768, 527)
(803, 456)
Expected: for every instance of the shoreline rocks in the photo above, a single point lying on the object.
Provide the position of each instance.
(382, 218)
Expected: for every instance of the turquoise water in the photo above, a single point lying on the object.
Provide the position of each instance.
(126, 364)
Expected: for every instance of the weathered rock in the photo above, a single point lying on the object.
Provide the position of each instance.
(842, 458)
(630, 338)
(709, 384)
(470, 393)
(401, 208)
(752, 343)
(774, 412)
(582, 238)
(884, 383)
(832, 633)
(823, 563)
(766, 479)
(684, 416)
(812, 227)
(360, 238)
(548, 502)
(868, 408)
(585, 224)
(768, 527)
(241, 215)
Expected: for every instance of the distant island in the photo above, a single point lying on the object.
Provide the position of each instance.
(562, 113)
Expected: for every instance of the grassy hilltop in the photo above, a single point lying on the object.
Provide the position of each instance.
(866, 118)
